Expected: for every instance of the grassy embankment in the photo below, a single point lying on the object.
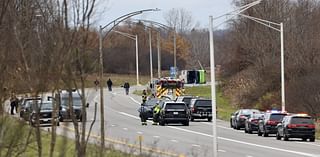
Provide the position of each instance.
(14, 135)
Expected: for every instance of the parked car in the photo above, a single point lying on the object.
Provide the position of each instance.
(26, 107)
(149, 104)
(185, 99)
(64, 109)
(296, 126)
(238, 118)
(174, 112)
(267, 125)
(251, 123)
(201, 109)
(43, 113)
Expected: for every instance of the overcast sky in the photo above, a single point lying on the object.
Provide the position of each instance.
(200, 9)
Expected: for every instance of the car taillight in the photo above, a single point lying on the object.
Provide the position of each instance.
(292, 126)
(312, 126)
(193, 109)
(270, 122)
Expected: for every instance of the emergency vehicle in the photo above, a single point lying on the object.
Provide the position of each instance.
(168, 87)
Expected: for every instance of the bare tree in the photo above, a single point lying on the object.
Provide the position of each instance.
(180, 19)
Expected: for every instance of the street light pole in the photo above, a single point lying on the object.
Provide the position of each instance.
(159, 55)
(150, 45)
(175, 50)
(213, 90)
(113, 23)
(271, 25)
(283, 104)
(133, 37)
(137, 60)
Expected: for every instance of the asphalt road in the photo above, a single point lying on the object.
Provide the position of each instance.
(123, 128)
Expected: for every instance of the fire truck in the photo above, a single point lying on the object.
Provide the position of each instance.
(169, 87)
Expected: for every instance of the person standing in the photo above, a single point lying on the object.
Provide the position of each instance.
(126, 86)
(109, 84)
(96, 83)
(13, 103)
(156, 112)
(144, 96)
(143, 114)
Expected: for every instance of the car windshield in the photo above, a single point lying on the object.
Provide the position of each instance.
(76, 101)
(249, 112)
(256, 116)
(301, 120)
(175, 106)
(46, 106)
(151, 102)
(203, 103)
(277, 117)
(187, 100)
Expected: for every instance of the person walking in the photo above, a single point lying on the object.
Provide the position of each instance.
(96, 83)
(126, 86)
(109, 84)
(143, 114)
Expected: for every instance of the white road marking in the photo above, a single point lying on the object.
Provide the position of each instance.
(308, 143)
(195, 145)
(223, 151)
(231, 140)
(113, 125)
(125, 129)
(175, 141)
(114, 93)
(249, 156)
(135, 100)
(156, 136)
(139, 132)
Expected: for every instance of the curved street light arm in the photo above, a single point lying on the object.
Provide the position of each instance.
(133, 37)
(263, 22)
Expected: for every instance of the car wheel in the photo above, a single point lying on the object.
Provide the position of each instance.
(245, 130)
(285, 137)
(265, 134)
(237, 126)
(209, 119)
(61, 119)
(186, 123)
(312, 139)
(249, 131)
(231, 126)
(259, 132)
(161, 122)
(192, 119)
(278, 136)
(304, 139)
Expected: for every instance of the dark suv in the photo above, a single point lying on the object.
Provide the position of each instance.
(267, 125)
(201, 109)
(296, 126)
(65, 110)
(185, 99)
(174, 112)
(43, 113)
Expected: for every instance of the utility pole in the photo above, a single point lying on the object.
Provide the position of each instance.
(150, 45)
(101, 94)
(159, 54)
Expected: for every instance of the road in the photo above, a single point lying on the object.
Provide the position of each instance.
(123, 129)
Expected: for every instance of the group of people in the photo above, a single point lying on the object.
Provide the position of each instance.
(143, 111)
(126, 85)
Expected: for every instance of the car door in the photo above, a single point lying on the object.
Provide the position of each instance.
(280, 126)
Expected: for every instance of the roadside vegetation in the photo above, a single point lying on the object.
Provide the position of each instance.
(19, 139)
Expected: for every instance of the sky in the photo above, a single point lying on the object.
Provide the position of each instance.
(200, 9)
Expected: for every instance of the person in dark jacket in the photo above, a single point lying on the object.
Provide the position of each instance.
(109, 84)
(143, 111)
(126, 86)
(13, 104)
(144, 96)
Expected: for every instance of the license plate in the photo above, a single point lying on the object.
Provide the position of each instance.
(175, 113)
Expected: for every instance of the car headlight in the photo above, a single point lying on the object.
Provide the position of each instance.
(64, 109)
